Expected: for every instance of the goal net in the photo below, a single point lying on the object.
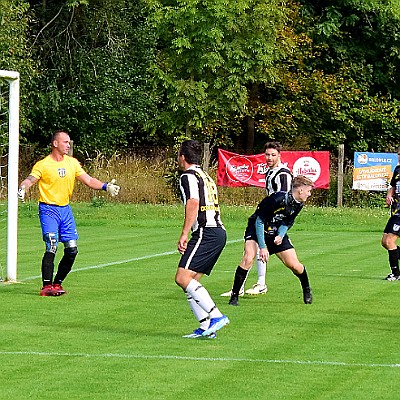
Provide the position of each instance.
(9, 150)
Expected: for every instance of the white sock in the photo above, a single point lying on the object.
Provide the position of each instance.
(201, 316)
(202, 298)
(261, 270)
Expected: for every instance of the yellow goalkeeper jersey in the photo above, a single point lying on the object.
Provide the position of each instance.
(56, 179)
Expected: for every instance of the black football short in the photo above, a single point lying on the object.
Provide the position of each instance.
(250, 234)
(393, 225)
(203, 250)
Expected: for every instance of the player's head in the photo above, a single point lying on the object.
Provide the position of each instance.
(56, 135)
(60, 142)
(190, 152)
(273, 154)
(301, 188)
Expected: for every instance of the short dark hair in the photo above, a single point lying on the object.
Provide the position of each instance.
(56, 134)
(273, 145)
(192, 150)
(301, 180)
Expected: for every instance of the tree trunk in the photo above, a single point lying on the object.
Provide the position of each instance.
(249, 120)
(249, 135)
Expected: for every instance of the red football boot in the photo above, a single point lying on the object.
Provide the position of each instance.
(47, 291)
(58, 289)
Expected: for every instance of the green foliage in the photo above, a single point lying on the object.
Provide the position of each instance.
(13, 30)
(76, 3)
(15, 53)
(326, 110)
(98, 201)
(363, 49)
(340, 82)
(94, 80)
(116, 74)
(209, 52)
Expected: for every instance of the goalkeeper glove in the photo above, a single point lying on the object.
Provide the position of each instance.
(21, 193)
(112, 188)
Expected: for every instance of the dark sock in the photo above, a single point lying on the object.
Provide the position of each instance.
(240, 277)
(47, 268)
(394, 261)
(303, 277)
(65, 265)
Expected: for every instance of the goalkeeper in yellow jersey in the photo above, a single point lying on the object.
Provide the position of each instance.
(56, 176)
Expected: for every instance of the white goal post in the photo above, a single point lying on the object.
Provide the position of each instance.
(12, 174)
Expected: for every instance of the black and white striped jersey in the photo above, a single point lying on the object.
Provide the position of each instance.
(278, 179)
(194, 183)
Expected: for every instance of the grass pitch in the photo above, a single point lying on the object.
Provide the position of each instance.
(117, 333)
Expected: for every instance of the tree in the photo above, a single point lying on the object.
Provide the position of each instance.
(15, 53)
(358, 42)
(340, 84)
(210, 53)
(94, 55)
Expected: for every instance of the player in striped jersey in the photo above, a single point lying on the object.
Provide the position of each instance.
(200, 252)
(277, 179)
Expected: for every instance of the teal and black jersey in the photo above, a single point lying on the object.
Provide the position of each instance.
(275, 212)
(395, 183)
(277, 209)
(194, 183)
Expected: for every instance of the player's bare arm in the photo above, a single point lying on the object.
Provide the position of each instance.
(28, 182)
(94, 183)
(389, 197)
(25, 185)
(89, 181)
(191, 210)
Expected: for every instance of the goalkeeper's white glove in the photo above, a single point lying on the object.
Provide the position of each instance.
(112, 188)
(21, 193)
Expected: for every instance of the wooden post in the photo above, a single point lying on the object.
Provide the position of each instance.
(206, 157)
(340, 176)
(71, 149)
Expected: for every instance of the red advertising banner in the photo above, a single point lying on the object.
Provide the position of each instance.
(237, 170)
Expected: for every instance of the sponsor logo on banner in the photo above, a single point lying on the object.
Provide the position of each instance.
(373, 171)
(61, 172)
(239, 169)
(362, 158)
(308, 167)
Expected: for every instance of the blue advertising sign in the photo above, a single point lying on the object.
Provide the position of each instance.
(373, 171)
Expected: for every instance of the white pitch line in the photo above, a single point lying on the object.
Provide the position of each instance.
(167, 253)
(205, 359)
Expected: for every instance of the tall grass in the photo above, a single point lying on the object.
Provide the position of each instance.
(142, 179)
(151, 178)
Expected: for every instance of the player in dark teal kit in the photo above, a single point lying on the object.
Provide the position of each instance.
(392, 229)
(266, 229)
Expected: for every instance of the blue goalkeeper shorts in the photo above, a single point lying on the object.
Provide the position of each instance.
(58, 219)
